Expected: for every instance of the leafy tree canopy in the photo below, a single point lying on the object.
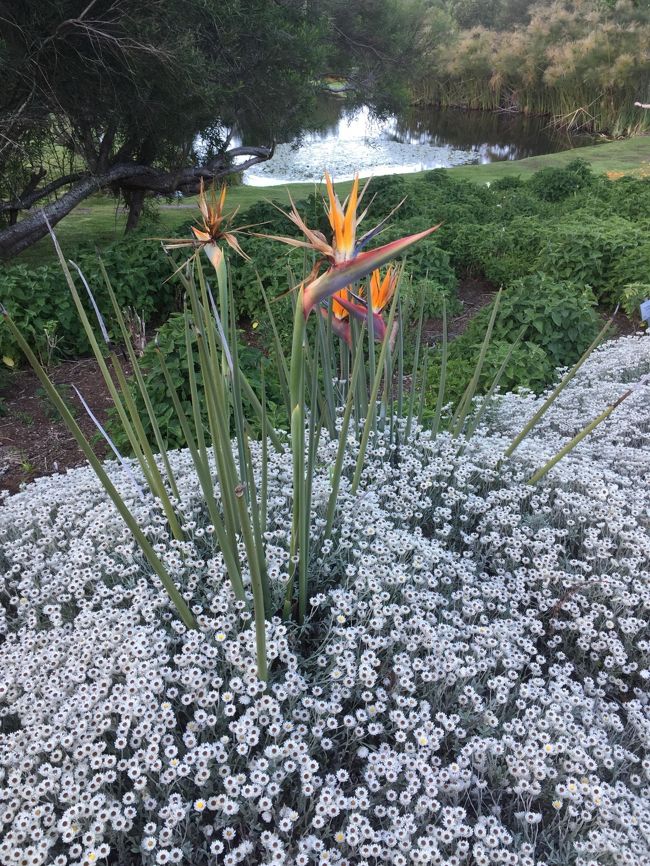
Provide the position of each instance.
(149, 96)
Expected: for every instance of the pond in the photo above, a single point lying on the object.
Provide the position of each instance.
(350, 139)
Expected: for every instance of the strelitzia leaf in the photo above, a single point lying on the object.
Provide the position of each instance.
(343, 275)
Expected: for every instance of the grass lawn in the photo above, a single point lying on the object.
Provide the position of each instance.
(98, 220)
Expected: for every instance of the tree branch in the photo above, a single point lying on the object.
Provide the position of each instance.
(28, 198)
(126, 176)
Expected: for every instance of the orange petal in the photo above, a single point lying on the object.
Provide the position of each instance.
(232, 241)
(201, 236)
(349, 224)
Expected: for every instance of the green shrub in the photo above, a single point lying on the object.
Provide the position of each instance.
(528, 366)
(632, 266)
(585, 250)
(501, 253)
(559, 317)
(277, 267)
(632, 296)
(560, 321)
(557, 184)
(427, 260)
(627, 197)
(508, 182)
(36, 296)
(384, 193)
(434, 295)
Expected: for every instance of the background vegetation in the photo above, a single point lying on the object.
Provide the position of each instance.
(585, 62)
(566, 245)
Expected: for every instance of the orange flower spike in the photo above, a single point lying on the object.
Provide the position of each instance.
(350, 221)
(381, 291)
(338, 309)
(215, 223)
(343, 220)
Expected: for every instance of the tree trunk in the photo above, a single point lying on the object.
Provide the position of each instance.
(23, 234)
(135, 203)
(131, 177)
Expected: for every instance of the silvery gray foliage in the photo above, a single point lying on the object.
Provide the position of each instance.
(471, 687)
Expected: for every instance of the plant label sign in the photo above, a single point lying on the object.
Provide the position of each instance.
(645, 311)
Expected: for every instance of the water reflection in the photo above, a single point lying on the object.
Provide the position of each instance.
(345, 139)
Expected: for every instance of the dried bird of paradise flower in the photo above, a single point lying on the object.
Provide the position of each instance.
(215, 227)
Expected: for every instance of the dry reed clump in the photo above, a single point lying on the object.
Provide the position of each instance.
(585, 66)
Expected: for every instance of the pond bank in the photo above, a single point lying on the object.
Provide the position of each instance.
(99, 220)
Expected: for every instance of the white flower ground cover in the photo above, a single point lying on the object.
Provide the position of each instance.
(472, 688)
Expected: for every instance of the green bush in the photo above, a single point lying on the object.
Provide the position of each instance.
(434, 294)
(627, 197)
(585, 250)
(559, 317)
(632, 296)
(557, 184)
(501, 253)
(427, 260)
(528, 366)
(139, 274)
(278, 267)
(632, 266)
(508, 182)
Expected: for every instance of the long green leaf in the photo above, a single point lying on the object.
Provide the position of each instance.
(153, 419)
(443, 374)
(342, 444)
(256, 583)
(172, 591)
(203, 473)
(558, 390)
(464, 406)
(361, 457)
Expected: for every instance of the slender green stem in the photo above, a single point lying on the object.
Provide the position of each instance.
(257, 527)
(159, 488)
(228, 550)
(256, 583)
(465, 404)
(361, 457)
(281, 361)
(425, 371)
(342, 444)
(264, 483)
(137, 372)
(540, 473)
(443, 373)
(476, 420)
(416, 363)
(297, 393)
